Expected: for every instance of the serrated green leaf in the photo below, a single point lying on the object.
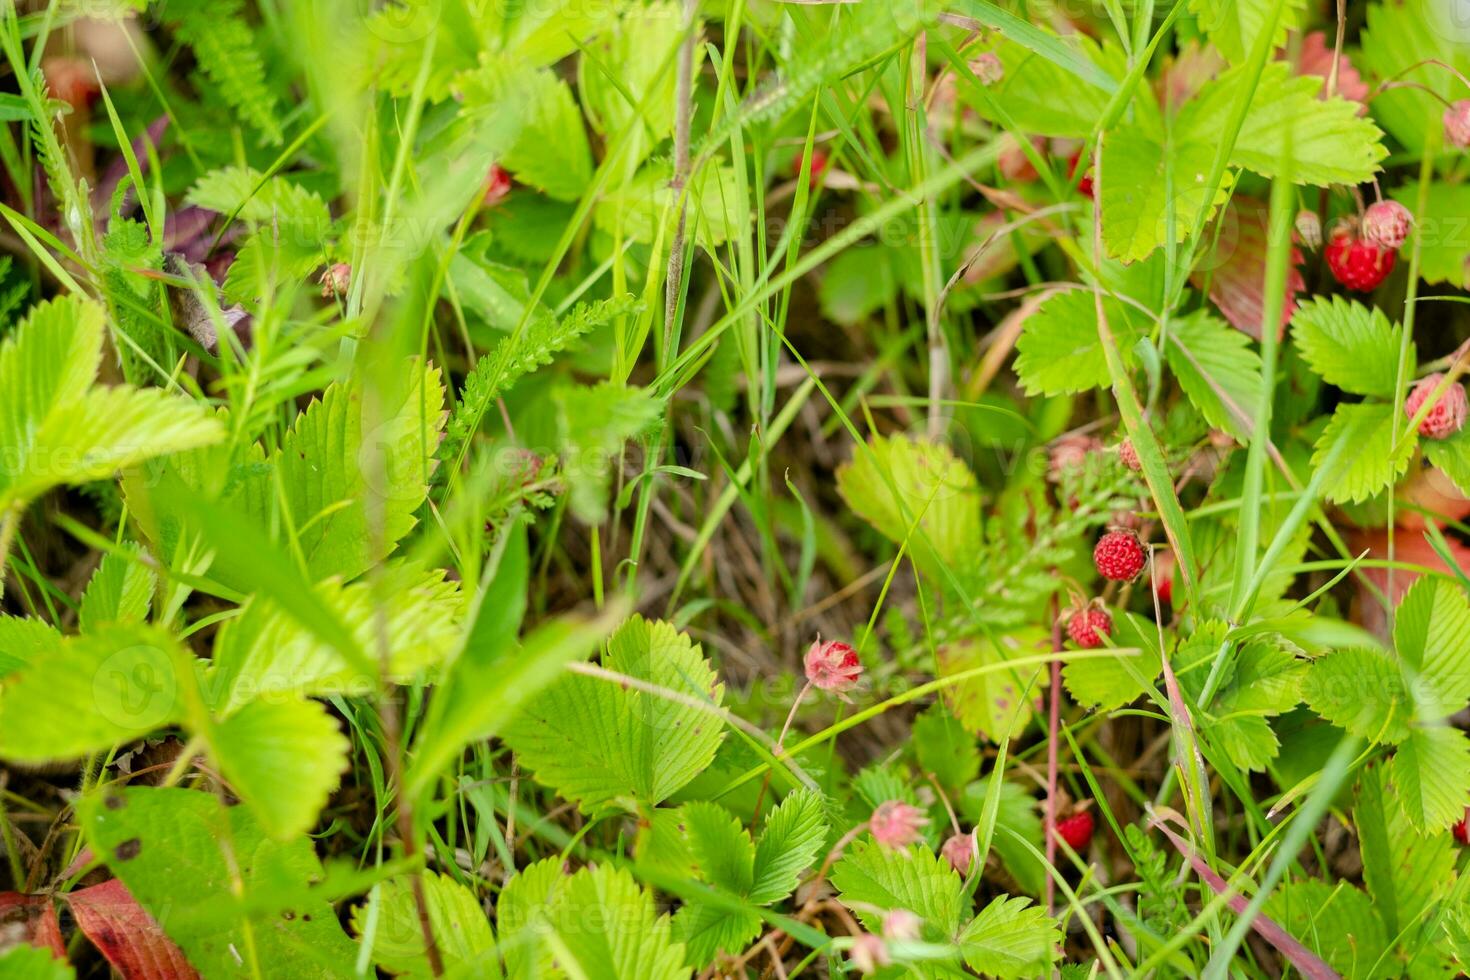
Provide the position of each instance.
(24, 962)
(1442, 231)
(120, 591)
(1404, 39)
(1370, 465)
(605, 745)
(794, 834)
(720, 845)
(1010, 938)
(460, 928)
(283, 759)
(1060, 352)
(1452, 456)
(551, 153)
(1350, 345)
(23, 640)
(1404, 869)
(1326, 141)
(634, 52)
(1039, 95)
(520, 914)
(266, 651)
(237, 903)
(627, 938)
(998, 703)
(1142, 180)
(1338, 923)
(93, 692)
(1432, 772)
(873, 880)
(55, 428)
(1360, 689)
(1217, 369)
(917, 493)
(1234, 25)
(1432, 636)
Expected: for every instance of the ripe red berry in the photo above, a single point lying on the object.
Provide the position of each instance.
(1164, 577)
(820, 162)
(1119, 556)
(1357, 263)
(1457, 124)
(832, 666)
(1448, 414)
(1085, 184)
(1129, 456)
(1087, 627)
(1386, 224)
(1462, 829)
(497, 185)
(1076, 830)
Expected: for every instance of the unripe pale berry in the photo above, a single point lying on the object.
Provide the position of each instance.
(1448, 414)
(832, 666)
(1386, 224)
(1457, 124)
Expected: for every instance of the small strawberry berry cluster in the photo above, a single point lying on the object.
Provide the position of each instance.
(1361, 252)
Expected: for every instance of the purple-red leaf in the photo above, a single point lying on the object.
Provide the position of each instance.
(130, 938)
(1237, 276)
(36, 916)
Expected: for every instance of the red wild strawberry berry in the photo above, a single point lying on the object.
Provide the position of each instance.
(896, 824)
(497, 185)
(832, 666)
(1119, 556)
(1457, 124)
(1076, 830)
(1129, 456)
(1085, 184)
(1448, 414)
(1087, 627)
(1357, 263)
(1462, 829)
(820, 162)
(1164, 577)
(1386, 224)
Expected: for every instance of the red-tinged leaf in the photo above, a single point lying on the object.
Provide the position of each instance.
(1307, 962)
(1317, 59)
(38, 916)
(1236, 274)
(130, 938)
(1410, 548)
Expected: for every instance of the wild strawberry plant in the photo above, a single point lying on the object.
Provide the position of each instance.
(654, 489)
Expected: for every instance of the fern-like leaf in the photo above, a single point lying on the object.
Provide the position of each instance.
(224, 46)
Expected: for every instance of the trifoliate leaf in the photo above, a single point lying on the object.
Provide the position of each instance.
(1350, 345)
(720, 845)
(607, 745)
(1218, 370)
(1367, 463)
